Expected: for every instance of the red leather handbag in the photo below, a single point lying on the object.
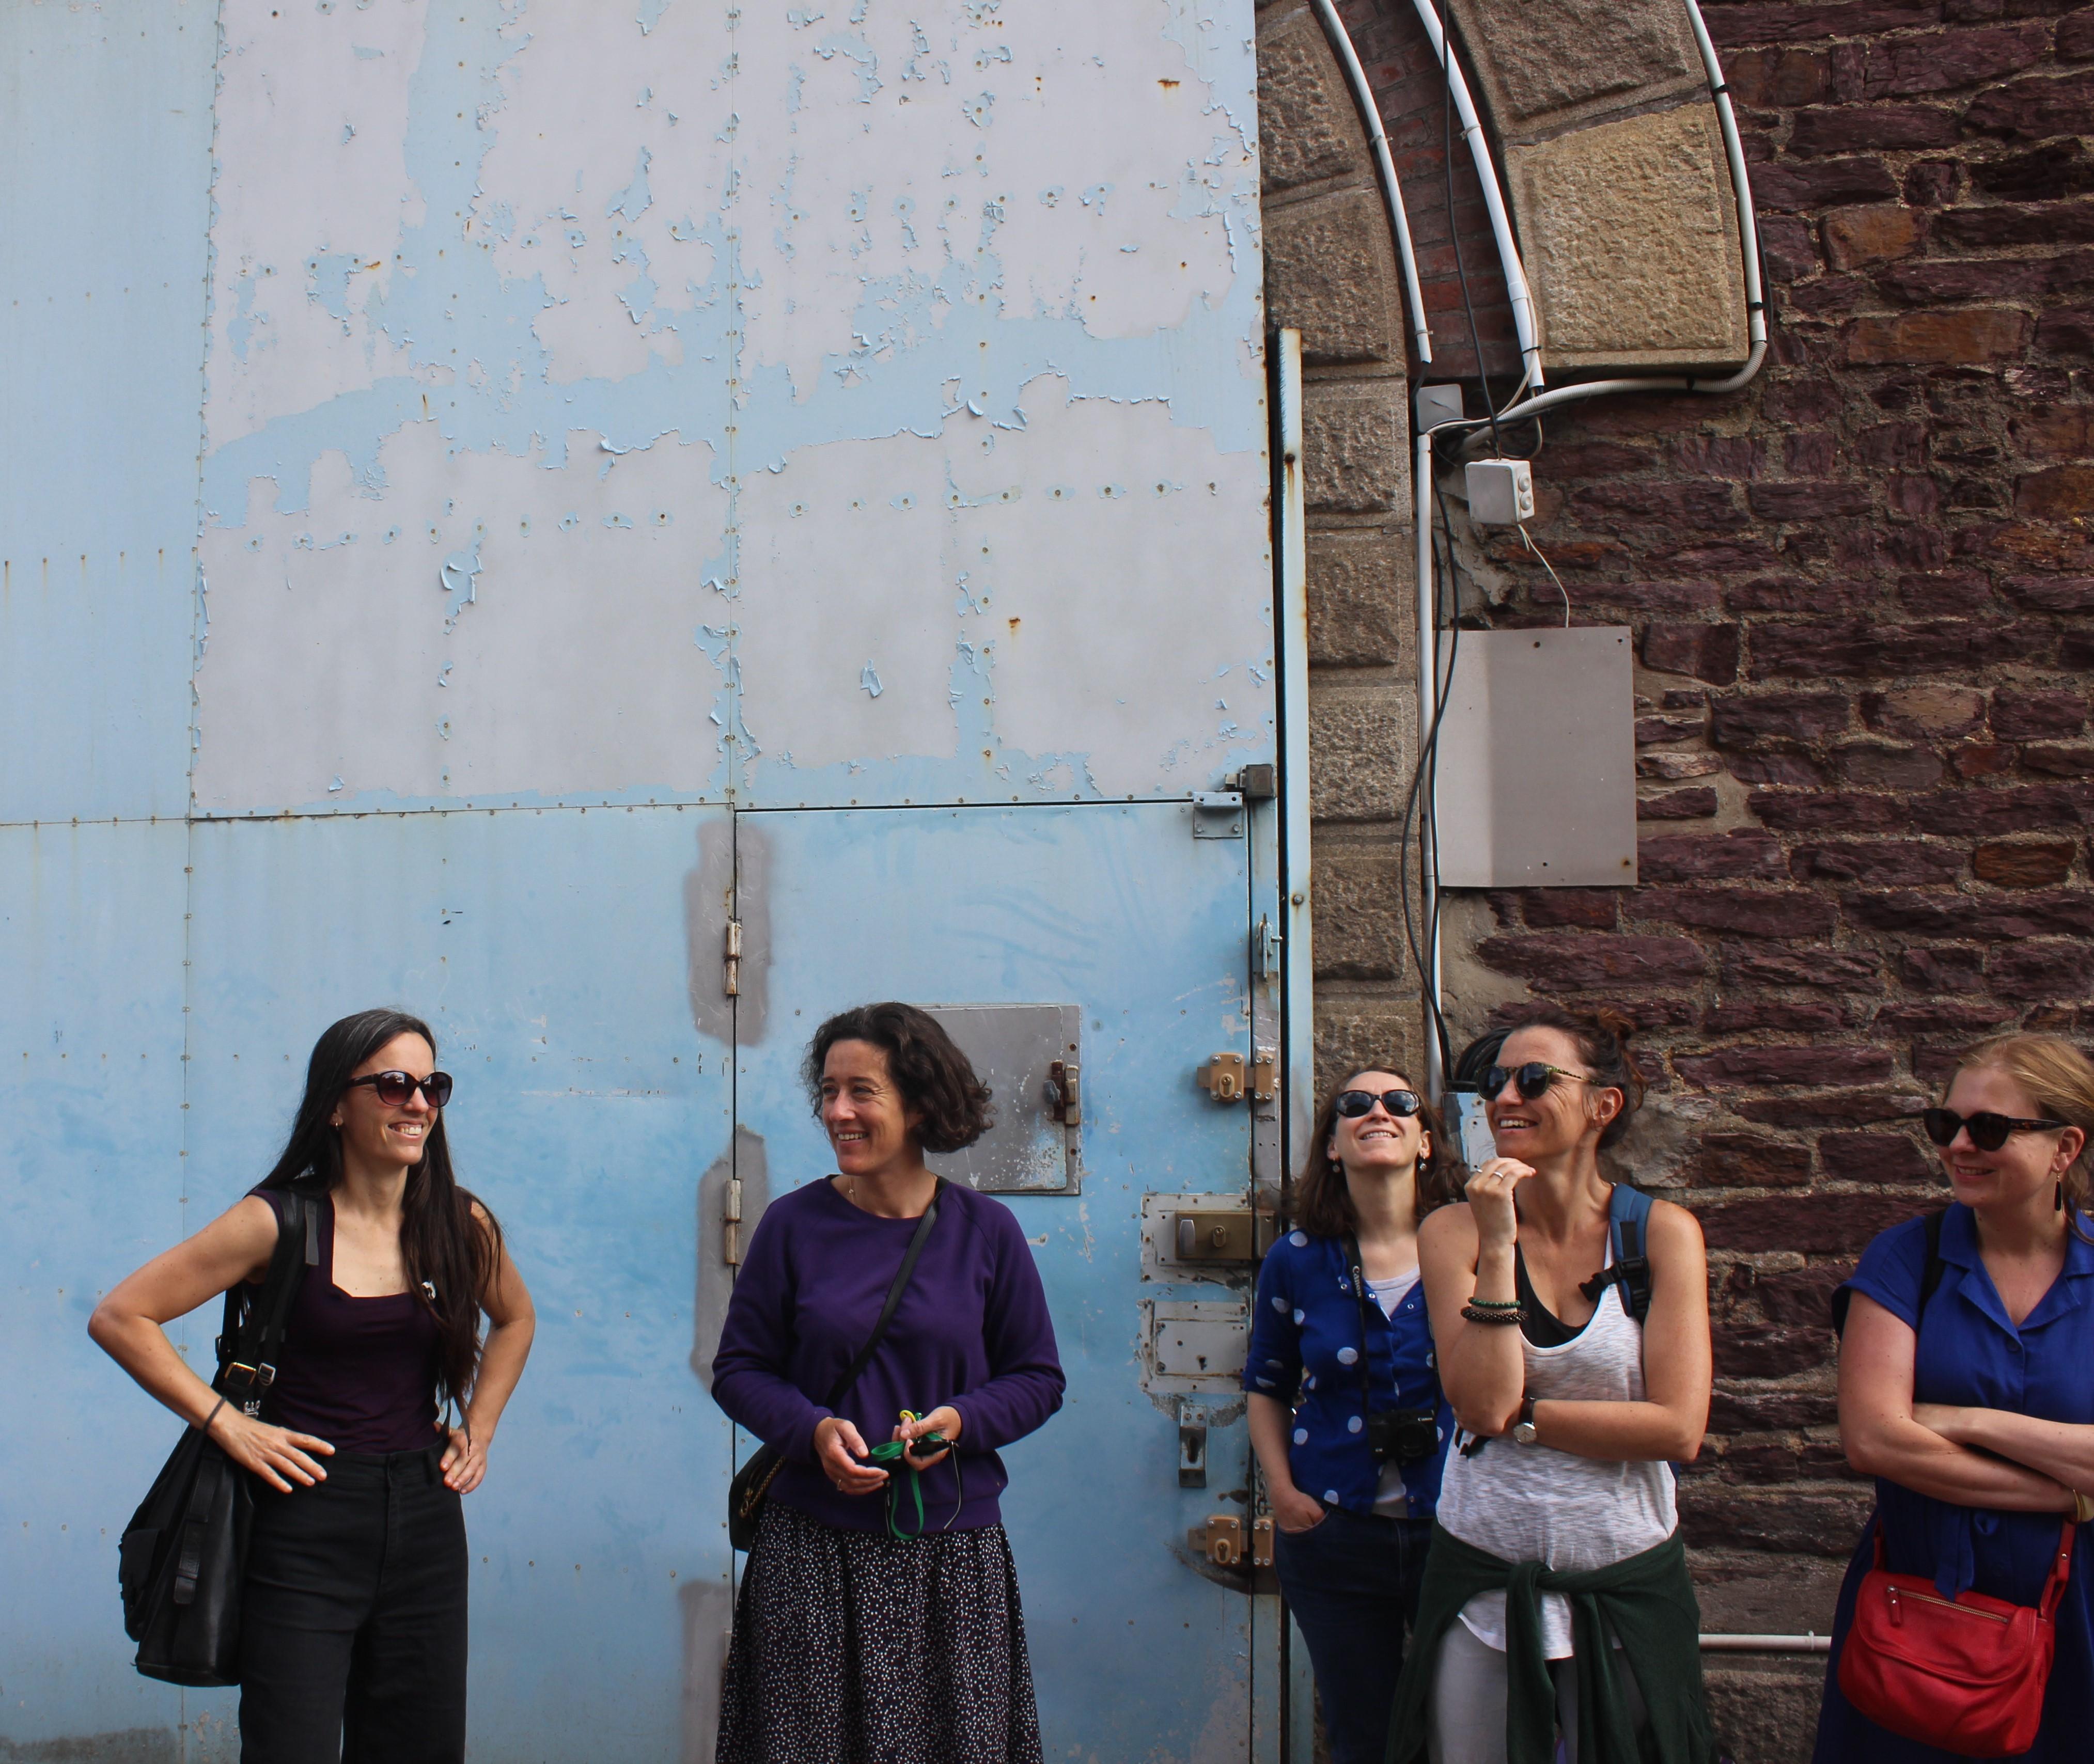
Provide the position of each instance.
(1966, 1674)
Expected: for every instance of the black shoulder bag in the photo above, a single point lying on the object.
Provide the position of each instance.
(745, 1495)
(183, 1554)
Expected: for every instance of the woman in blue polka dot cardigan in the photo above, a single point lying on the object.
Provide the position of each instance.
(1352, 1446)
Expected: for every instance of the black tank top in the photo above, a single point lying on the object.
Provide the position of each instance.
(359, 1373)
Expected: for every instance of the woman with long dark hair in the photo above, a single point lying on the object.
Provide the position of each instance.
(879, 1616)
(1346, 1414)
(353, 1625)
(1571, 1316)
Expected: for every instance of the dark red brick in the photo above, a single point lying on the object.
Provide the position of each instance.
(2066, 333)
(1985, 918)
(1791, 768)
(1760, 79)
(2042, 970)
(1791, 1017)
(1802, 1297)
(1959, 336)
(2075, 36)
(1884, 128)
(1830, 1108)
(1902, 67)
(1754, 720)
(1696, 804)
(1706, 652)
(1809, 500)
(1786, 1523)
(2057, 169)
(1942, 1016)
(1827, 811)
(1880, 863)
(1700, 856)
(1589, 908)
(2059, 492)
(2059, 759)
(1757, 1068)
(1742, 912)
(1768, 1350)
(2036, 108)
(1755, 1411)
(2022, 864)
(1874, 1158)
(1785, 21)
(1817, 1224)
(2021, 715)
(2054, 594)
(1750, 1160)
(1578, 961)
(2015, 808)
(1925, 712)
(1844, 647)
(1881, 766)
(1943, 970)
(1988, 228)
(1793, 183)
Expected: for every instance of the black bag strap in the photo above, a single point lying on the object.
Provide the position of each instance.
(894, 1292)
(1358, 1265)
(1930, 1271)
(252, 1341)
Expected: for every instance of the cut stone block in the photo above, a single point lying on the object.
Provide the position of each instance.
(1307, 126)
(1630, 234)
(1361, 590)
(1330, 273)
(1355, 447)
(1543, 65)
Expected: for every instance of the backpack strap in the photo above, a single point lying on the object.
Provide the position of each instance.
(255, 1322)
(1628, 1227)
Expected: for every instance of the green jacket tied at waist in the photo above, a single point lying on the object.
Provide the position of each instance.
(1647, 1601)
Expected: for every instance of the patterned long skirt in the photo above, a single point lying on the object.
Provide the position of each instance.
(853, 1648)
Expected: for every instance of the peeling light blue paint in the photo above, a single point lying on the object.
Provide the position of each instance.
(649, 15)
(855, 50)
(634, 200)
(869, 679)
(460, 578)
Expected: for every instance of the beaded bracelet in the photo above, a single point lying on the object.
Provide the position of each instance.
(1475, 1313)
(1495, 1304)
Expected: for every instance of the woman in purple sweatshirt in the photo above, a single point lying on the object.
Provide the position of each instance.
(869, 1627)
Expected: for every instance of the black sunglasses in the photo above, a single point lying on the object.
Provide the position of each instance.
(394, 1088)
(1402, 1104)
(1534, 1079)
(1988, 1132)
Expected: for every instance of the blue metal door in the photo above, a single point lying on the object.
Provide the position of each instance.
(1140, 1647)
(553, 952)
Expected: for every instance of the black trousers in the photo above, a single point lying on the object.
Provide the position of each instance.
(353, 1619)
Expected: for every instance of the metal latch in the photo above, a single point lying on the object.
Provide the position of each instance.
(1063, 1092)
(1258, 783)
(1192, 1447)
(733, 958)
(1265, 947)
(1220, 1541)
(1222, 1234)
(1222, 1077)
(1217, 814)
(1264, 1076)
(730, 1221)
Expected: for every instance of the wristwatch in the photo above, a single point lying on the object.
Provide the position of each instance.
(1524, 1432)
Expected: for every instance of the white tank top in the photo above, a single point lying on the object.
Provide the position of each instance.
(1529, 1503)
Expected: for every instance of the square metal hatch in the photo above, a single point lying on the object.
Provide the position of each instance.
(1012, 1048)
(1537, 760)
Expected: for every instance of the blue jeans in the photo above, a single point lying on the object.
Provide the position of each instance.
(1352, 1582)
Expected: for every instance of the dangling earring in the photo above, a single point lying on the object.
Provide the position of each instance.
(2057, 1196)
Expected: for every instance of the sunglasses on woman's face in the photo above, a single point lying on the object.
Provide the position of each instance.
(394, 1088)
(1353, 1104)
(1988, 1132)
(1534, 1079)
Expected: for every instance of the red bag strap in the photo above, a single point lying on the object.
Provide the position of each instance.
(2061, 1571)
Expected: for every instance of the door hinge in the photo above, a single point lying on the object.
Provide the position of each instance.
(1217, 814)
(730, 1221)
(733, 963)
(1266, 946)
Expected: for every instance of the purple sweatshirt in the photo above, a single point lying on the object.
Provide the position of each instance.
(972, 1330)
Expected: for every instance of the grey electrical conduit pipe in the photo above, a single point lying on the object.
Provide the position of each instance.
(1340, 40)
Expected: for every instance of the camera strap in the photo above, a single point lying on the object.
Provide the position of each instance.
(1360, 1294)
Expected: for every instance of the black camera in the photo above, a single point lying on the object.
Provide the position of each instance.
(1405, 1435)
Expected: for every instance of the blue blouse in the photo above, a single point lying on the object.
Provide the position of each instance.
(1304, 1351)
(1970, 1355)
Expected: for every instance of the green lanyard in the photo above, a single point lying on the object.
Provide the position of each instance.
(894, 1452)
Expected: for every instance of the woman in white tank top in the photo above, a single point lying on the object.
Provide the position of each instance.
(1573, 1412)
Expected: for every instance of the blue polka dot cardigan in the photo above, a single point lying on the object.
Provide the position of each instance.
(1305, 1349)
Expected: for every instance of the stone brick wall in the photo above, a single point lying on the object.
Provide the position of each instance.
(1863, 597)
